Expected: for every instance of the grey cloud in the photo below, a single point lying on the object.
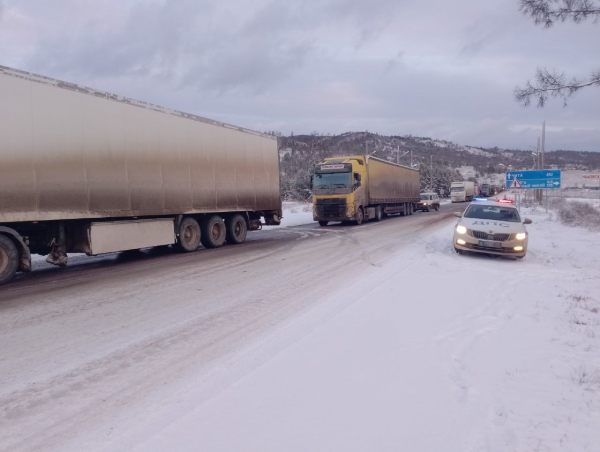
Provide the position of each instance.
(394, 63)
(148, 41)
(176, 41)
(329, 65)
(264, 51)
(369, 18)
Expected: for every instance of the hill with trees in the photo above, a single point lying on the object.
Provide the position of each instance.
(438, 160)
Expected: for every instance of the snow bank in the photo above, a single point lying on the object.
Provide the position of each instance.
(430, 351)
(295, 213)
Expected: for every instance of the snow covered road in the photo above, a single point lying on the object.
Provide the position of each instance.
(376, 337)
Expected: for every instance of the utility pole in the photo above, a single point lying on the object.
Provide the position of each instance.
(537, 193)
(543, 143)
(431, 172)
(543, 150)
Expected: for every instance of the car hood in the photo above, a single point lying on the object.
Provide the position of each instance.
(492, 226)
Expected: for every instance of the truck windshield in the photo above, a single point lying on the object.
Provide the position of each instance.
(425, 197)
(493, 213)
(332, 180)
(453, 189)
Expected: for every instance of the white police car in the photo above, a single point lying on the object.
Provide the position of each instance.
(491, 227)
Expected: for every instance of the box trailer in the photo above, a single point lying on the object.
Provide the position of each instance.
(92, 172)
(461, 191)
(358, 188)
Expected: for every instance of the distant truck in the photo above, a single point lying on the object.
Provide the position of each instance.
(462, 191)
(485, 190)
(90, 172)
(359, 188)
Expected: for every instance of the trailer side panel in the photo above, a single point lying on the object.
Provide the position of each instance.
(68, 153)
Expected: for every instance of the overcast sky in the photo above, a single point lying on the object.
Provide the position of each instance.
(437, 68)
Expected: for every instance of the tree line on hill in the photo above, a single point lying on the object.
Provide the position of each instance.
(437, 160)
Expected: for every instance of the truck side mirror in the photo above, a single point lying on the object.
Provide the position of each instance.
(356, 180)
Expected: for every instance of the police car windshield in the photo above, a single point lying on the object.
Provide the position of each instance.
(497, 213)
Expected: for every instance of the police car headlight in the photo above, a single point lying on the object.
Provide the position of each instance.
(460, 229)
(521, 236)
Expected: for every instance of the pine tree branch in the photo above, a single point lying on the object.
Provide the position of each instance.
(552, 84)
(546, 12)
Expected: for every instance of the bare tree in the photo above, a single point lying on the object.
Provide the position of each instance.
(549, 83)
(549, 11)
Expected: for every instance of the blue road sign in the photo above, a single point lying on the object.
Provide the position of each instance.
(533, 179)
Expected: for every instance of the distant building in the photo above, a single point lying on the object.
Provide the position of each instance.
(579, 179)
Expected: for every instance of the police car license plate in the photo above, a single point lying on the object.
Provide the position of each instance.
(490, 244)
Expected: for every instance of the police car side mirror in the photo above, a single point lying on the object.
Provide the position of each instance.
(458, 214)
(527, 221)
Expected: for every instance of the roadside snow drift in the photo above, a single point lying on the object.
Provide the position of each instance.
(430, 352)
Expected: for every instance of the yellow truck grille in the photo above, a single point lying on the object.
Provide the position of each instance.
(331, 208)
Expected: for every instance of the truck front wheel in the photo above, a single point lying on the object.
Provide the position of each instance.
(213, 232)
(9, 259)
(323, 223)
(360, 216)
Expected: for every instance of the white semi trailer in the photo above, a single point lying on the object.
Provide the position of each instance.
(462, 191)
(92, 172)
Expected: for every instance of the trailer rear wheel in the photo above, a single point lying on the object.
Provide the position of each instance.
(9, 259)
(237, 229)
(189, 235)
(213, 232)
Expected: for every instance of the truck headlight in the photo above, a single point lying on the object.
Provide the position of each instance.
(521, 236)
(460, 229)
